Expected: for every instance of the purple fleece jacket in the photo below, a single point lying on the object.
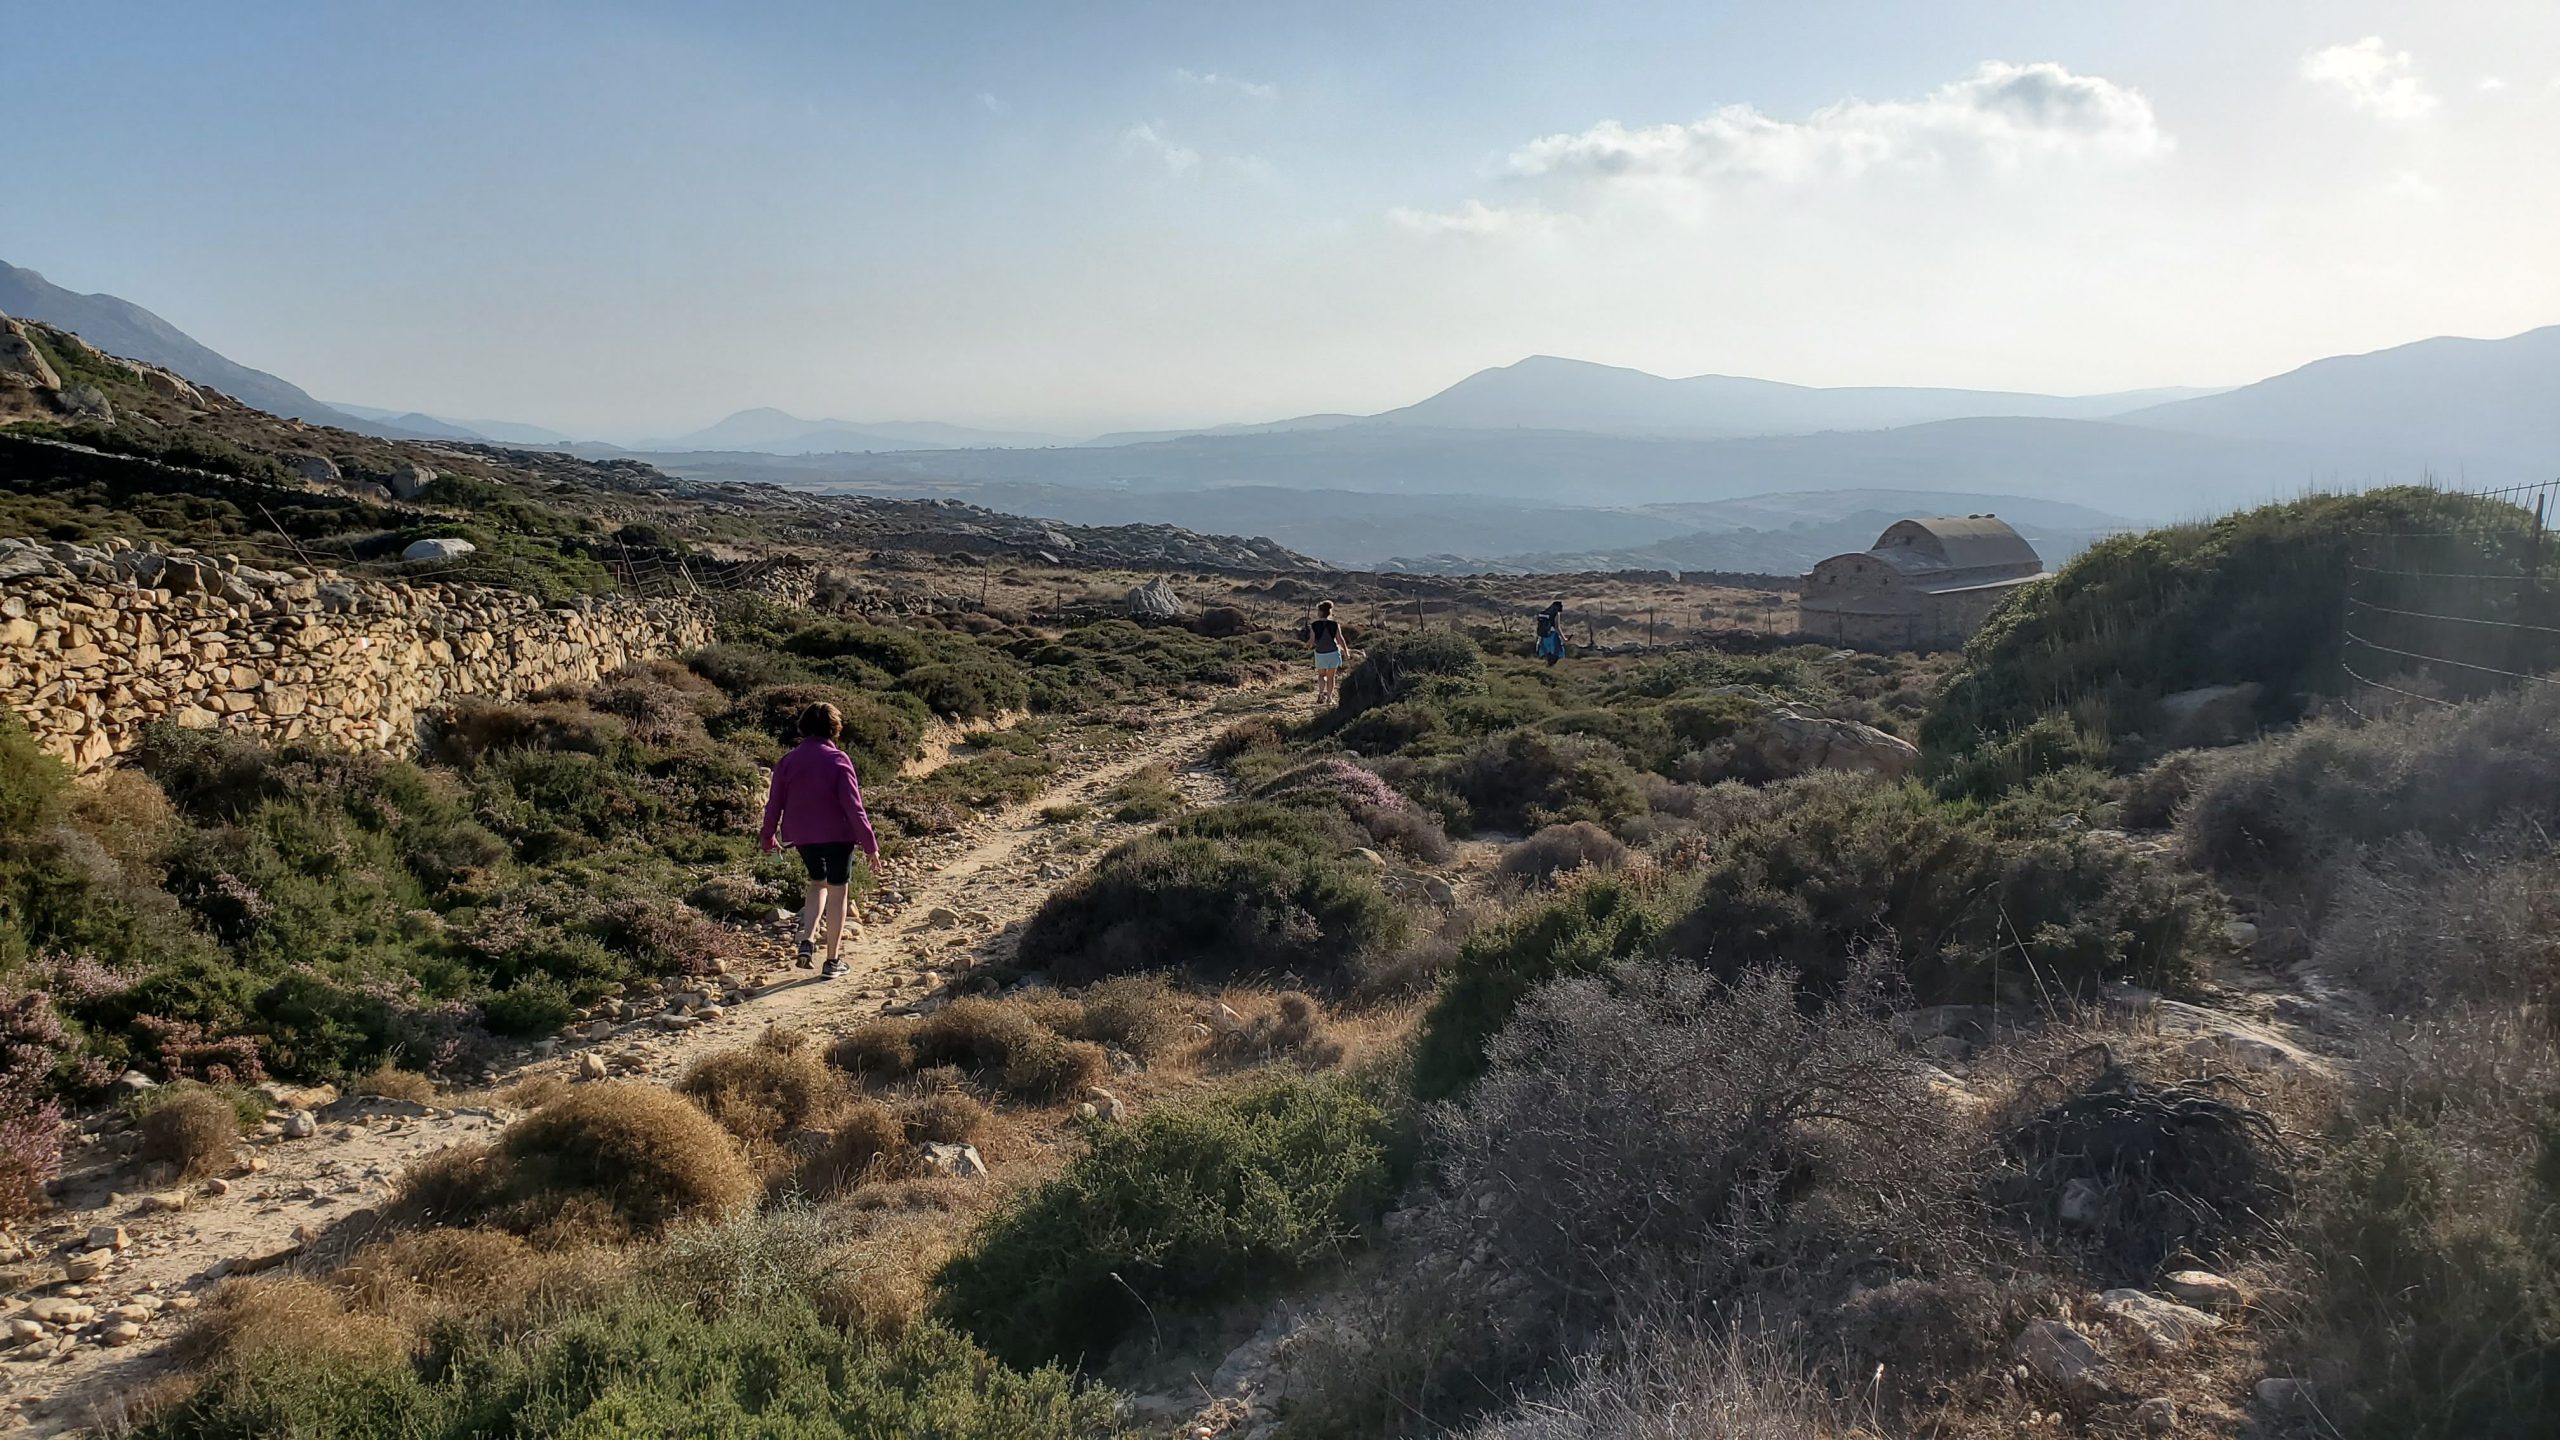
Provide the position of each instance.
(817, 800)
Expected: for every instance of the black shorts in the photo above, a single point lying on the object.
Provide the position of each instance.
(830, 864)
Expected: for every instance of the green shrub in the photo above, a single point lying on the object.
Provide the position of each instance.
(1525, 780)
(2257, 596)
(1218, 896)
(1587, 929)
(637, 1366)
(1973, 910)
(2286, 806)
(972, 690)
(1209, 1202)
(1396, 667)
(2440, 1280)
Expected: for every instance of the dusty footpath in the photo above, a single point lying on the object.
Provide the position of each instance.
(105, 1282)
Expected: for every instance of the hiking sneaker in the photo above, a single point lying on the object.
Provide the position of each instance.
(808, 954)
(835, 970)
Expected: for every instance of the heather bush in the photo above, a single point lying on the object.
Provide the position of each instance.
(1362, 797)
(1524, 780)
(32, 1046)
(1201, 1203)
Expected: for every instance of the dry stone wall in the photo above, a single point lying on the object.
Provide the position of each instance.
(97, 643)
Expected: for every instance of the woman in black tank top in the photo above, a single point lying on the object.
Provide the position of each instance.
(1324, 635)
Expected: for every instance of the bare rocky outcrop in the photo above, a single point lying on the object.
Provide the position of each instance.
(1157, 600)
(1786, 742)
(97, 643)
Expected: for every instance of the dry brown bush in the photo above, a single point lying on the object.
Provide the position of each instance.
(760, 1091)
(1141, 1014)
(946, 1118)
(878, 1302)
(389, 1082)
(534, 1092)
(611, 1160)
(878, 1051)
(868, 1143)
(975, 1034)
(421, 1271)
(1051, 1067)
(195, 1131)
(128, 815)
(1291, 1026)
(286, 1316)
(447, 1187)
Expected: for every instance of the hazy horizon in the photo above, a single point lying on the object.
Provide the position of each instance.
(630, 221)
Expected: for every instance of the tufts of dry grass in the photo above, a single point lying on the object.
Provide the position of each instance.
(287, 1315)
(876, 1052)
(1141, 1014)
(869, 1143)
(612, 1160)
(389, 1082)
(1291, 1026)
(946, 1117)
(196, 1131)
(761, 1091)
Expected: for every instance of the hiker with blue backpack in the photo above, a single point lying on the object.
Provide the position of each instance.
(1551, 632)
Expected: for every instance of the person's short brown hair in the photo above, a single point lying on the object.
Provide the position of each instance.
(821, 722)
(1324, 607)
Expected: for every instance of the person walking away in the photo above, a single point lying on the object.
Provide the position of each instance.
(816, 805)
(1325, 634)
(1551, 632)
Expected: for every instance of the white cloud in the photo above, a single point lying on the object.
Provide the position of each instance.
(2000, 118)
(1176, 159)
(2490, 84)
(993, 104)
(1477, 218)
(1212, 80)
(2375, 80)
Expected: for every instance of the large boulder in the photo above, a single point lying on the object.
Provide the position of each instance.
(408, 480)
(2209, 715)
(441, 548)
(1787, 742)
(318, 469)
(1157, 600)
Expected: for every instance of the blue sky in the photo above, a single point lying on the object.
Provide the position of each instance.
(631, 219)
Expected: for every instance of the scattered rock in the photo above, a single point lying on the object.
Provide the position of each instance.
(22, 1330)
(55, 1310)
(941, 918)
(1786, 742)
(300, 1125)
(134, 1082)
(107, 1237)
(88, 1265)
(2157, 1415)
(408, 480)
(299, 1097)
(2082, 1202)
(166, 1202)
(2165, 1326)
(960, 1160)
(120, 1334)
(2204, 1289)
(2240, 934)
(591, 1066)
(2057, 1352)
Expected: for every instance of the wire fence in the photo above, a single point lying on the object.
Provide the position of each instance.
(2452, 606)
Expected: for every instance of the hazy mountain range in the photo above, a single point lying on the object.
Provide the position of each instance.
(1549, 460)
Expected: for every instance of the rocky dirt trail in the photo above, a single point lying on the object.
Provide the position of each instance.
(105, 1282)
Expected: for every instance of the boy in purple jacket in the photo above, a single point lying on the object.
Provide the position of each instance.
(817, 801)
